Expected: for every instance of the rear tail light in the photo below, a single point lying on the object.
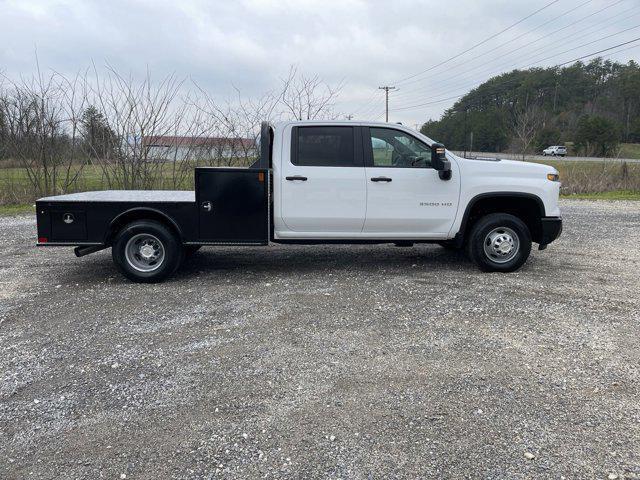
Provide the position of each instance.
(43, 239)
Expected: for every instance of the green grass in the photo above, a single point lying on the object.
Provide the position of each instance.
(9, 210)
(607, 180)
(612, 195)
(630, 150)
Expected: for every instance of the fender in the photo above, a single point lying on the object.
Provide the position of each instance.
(139, 213)
(459, 237)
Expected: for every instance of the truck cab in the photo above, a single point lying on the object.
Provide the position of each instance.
(324, 182)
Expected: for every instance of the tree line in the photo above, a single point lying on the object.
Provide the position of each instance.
(590, 107)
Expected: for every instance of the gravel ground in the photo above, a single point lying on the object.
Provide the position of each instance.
(326, 362)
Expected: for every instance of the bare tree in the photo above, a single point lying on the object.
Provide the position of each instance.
(308, 98)
(53, 127)
(526, 122)
(41, 116)
(236, 125)
(137, 112)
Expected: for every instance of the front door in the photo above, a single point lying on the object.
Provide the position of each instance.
(405, 196)
(323, 182)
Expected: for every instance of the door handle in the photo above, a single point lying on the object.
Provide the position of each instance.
(381, 179)
(297, 177)
(206, 206)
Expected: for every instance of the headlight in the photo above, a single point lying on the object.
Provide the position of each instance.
(554, 177)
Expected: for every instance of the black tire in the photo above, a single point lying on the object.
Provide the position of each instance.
(191, 249)
(501, 226)
(158, 234)
(449, 245)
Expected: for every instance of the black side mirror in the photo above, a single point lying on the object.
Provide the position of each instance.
(439, 161)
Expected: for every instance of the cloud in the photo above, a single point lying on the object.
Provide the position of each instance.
(250, 44)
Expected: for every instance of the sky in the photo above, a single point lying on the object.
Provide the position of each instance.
(251, 44)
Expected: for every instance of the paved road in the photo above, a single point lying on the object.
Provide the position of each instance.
(541, 158)
(326, 362)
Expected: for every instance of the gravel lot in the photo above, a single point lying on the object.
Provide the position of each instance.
(326, 362)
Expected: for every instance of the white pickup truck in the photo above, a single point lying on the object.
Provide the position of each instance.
(321, 182)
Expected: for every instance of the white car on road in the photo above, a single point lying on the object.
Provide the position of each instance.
(556, 150)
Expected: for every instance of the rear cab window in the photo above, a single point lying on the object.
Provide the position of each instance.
(324, 146)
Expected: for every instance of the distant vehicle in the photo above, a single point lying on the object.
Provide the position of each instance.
(556, 150)
(321, 182)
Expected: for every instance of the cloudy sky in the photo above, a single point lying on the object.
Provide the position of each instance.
(251, 44)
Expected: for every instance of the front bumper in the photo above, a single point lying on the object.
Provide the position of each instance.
(551, 230)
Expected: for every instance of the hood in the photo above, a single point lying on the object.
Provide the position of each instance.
(528, 166)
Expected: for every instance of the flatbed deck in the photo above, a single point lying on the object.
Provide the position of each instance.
(228, 206)
(155, 196)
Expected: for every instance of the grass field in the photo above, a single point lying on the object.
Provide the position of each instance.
(7, 210)
(630, 150)
(606, 179)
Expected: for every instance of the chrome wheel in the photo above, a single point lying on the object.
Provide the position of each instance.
(144, 252)
(501, 245)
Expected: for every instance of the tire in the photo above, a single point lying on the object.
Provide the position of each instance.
(162, 255)
(449, 245)
(489, 239)
(191, 249)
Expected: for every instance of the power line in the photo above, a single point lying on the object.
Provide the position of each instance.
(479, 43)
(512, 80)
(369, 104)
(511, 66)
(546, 36)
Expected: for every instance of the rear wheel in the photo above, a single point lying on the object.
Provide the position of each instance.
(146, 251)
(499, 242)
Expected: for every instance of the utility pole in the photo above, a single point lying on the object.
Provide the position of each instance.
(386, 92)
(348, 117)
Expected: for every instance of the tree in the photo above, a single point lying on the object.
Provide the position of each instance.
(546, 137)
(597, 135)
(526, 121)
(499, 110)
(99, 139)
(308, 98)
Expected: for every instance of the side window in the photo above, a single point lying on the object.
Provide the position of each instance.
(393, 148)
(324, 147)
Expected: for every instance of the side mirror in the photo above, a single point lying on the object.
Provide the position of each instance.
(439, 161)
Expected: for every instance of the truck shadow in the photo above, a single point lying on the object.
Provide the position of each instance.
(322, 258)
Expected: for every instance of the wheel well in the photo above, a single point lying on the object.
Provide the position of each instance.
(527, 208)
(140, 214)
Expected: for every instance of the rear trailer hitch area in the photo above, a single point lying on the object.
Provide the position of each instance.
(82, 251)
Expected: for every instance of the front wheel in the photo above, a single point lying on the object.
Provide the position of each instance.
(499, 242)
(146, 251)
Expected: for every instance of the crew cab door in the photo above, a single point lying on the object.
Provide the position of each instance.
(405, 196)
(323, 181)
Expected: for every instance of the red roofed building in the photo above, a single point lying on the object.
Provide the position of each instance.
(172, 148)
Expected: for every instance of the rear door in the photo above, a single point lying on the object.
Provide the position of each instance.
(323, 182)
(405, 195)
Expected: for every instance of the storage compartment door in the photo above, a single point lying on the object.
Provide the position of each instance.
(68, 225)
(233, 205)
